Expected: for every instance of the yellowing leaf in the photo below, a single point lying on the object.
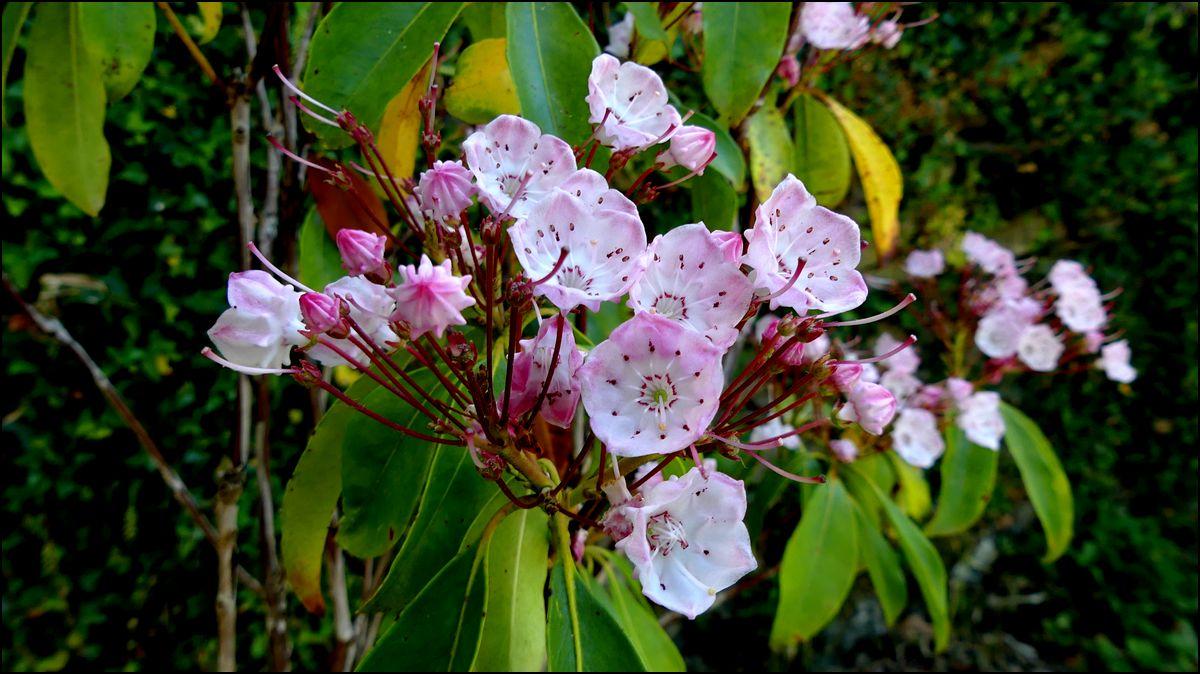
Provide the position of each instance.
(770, 150)
(879, 173)
(483, 86)
(208, 24)
(400, 130)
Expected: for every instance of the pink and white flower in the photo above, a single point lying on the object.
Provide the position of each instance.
(845, 450)
(370, 306)
(430, 298)
(916, 438)
(925, 263)
(790, 229)
(904, 360)
(652, 387)
(533, 364)
(887, 34)
(1081, 308)
(445, 191)
(834, 25)
(1114, 360)
(979, 417)
(691, 147)
(688, 541)
(262, 324)
(869, 405)
(689, 279)
(988, 255)
(1039, 348)
(604, 250)
(999, 331)
(511, 152)
(620, 34)
(362, 252)
(630, 104)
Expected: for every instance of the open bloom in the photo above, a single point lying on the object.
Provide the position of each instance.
(370, 305)
(834, 25)
(790, 229)
(979, 417)
(689, 279)
(1114, 360)
(687, 540)
(924, 263)
(629, 103)
(916, 438)
(987, 254)
(362, 252)
(691, 147)
(431, 298)
(533, 364)
(1039, 348)
(604, 248)
(620, 34)
(1067, 275)
(652, 387)
(445, 190)
(1080, 308)
(511, 152)
(1000, 331)
(263, 321)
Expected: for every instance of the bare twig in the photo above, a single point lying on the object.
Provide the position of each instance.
(345, 649)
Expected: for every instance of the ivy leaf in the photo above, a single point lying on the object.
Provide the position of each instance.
(1044, 479)
(743, 42)
(550, 52)
(64, 107)
(968, 478)
(821, 157)
(482, 88)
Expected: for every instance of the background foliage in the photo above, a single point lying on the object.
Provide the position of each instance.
(1062, 130)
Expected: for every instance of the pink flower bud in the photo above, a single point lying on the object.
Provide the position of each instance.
(321, 312)
(691, 147)
(846, 375)
(789, 69)
(362, 252)
(870, 405)
(445, 190)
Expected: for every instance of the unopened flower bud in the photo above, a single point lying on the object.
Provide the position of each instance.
(321, 312)
(362, 252)
(691, 147)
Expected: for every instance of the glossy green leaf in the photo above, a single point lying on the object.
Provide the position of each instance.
(440, 630)
(818, 567)
(362, 55)
(968, 478)
(883, 566)
(729, 161)
(821, 156)
(581, 633)
(120, 36)
(383, 472)
(743, 42)
(514, 625)
(15, 14)
(550, 52)
(455, 505)
(920, 555)
(1044, 479)
(877, 468)
(311, 497)
(485, 20)
(482, 88)
(633, 613)
(770, 150)
(913, 494)
(652, 41)
(713, 201)
(64, 107)
(320, 263)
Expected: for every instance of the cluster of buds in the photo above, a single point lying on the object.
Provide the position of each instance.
(552, 242)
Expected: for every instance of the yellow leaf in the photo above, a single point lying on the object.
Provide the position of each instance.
(208, 24)
(770, 150)
(483, 87)
(879, 173)
(913, 497)
(400, 130)
(344, 376)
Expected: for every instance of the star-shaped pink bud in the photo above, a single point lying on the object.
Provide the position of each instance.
(790, 229)
(511, 157)
(652, 387)
(604, 250)
(689, 279)
(445, 191)
(630, 104)
(362, 252)
(532, 365)
(430, 298)
(688, 541)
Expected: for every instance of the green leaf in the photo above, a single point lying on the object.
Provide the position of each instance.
(320, 262)
(882, 566)
(513, 638)
(878, 469)
(363, 54)
(120, 36)
(311, 496)
(968, 478)
(770, 150)
(383, 472)
(1044, 479)
(550, 52)
(581, 633)
(64, 107)
(913, 495)
(208, 23)
(713, 201)
(652, 41)
(455, 505)
(440, 630)
(482, 88)
(729, 161)
(922, 558)
(484, 20)
(634, 614)
(821, 157)
(818, 567)
(743, 42)
(15, 14)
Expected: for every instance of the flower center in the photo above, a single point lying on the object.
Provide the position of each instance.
(658, 393)
(665, 534)
(572, 276)
(671, 306)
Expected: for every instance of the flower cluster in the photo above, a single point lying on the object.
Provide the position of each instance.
(518, 233)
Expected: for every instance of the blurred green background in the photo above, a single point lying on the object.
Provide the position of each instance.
(1062, 130)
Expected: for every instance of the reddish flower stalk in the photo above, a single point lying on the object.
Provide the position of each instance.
(558, 335)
